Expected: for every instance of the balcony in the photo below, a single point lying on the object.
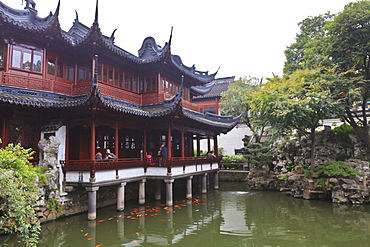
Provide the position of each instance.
(115, 171)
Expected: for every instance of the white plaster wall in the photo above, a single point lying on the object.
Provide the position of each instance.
(131, 172)
(177, 170)
(105, 175)
(156, 171)
(61, 136)
(73, 176)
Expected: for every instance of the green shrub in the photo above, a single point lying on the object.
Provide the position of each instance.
(342, 132)
(308, 173)
(336, 169)
(54, 205)
(232, 159)
(18, 193)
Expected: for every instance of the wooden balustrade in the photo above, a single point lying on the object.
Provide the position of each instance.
(100, 165)
(36, 82)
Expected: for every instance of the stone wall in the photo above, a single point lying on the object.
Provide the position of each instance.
(339, 190)
(328, 147)
(233, 176)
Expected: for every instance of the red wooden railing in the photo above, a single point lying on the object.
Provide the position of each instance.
(101, 165)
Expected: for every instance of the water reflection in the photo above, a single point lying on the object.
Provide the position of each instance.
(232, 216)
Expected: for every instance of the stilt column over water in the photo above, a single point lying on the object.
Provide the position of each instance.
(169, 193)
(215, 181)
(204, 183)
(142, 191)
(121, 197)
(189, 194)
(157, 190)
(91, 214)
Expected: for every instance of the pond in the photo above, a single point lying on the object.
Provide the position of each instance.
(232, 216)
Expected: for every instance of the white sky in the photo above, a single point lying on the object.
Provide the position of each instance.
(242, 37)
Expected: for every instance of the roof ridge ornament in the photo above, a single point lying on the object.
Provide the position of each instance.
(169, 42)
(28, 3)
(57, 10)
(96, 12)
(112, 36)
(76, 19)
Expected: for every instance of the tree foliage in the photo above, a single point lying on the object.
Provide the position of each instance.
(296, 102)
(234, 101)
(311, 45)
(340, 42)
(18, 192)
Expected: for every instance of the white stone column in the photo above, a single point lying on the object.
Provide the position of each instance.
(204, 183)
(142, 191)
(215, 182)
(189, 189)
(121, 197)
(91, 214)
(157, 190)
(169, 193)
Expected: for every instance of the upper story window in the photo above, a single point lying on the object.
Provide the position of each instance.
(70, 72)
(84, 72)
(27, 58)
(148, 84)
(126, 80)
(170, 87)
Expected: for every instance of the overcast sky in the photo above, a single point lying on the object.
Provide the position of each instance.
(241, 37)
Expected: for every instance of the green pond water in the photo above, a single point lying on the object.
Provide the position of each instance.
(232, 216)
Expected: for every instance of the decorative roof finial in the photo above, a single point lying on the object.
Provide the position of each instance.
(170, 36)
(57, 10)
(96, 12)
(112, 36)
(76, 20)
(28, 2)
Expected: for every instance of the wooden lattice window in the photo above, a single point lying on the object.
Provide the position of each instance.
(27, 58)
(70, 72)
(15, 133)
(84, 73)
(24, 133)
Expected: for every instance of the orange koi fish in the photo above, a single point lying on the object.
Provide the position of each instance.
(86, 234)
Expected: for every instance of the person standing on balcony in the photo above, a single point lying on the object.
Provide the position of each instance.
(109, 156)
(163, 151)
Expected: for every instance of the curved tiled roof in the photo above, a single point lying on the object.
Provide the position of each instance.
(224, 122)
(38, 98)
(220, 85)
(28, 18)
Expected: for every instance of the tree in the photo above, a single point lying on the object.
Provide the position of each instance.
(234, 101)
(18, 191)
(349, 34)
(296, 102)
(339, 42)
(310, 47)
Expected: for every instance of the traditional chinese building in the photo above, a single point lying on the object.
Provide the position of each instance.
(210, 101)
(79, 86)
